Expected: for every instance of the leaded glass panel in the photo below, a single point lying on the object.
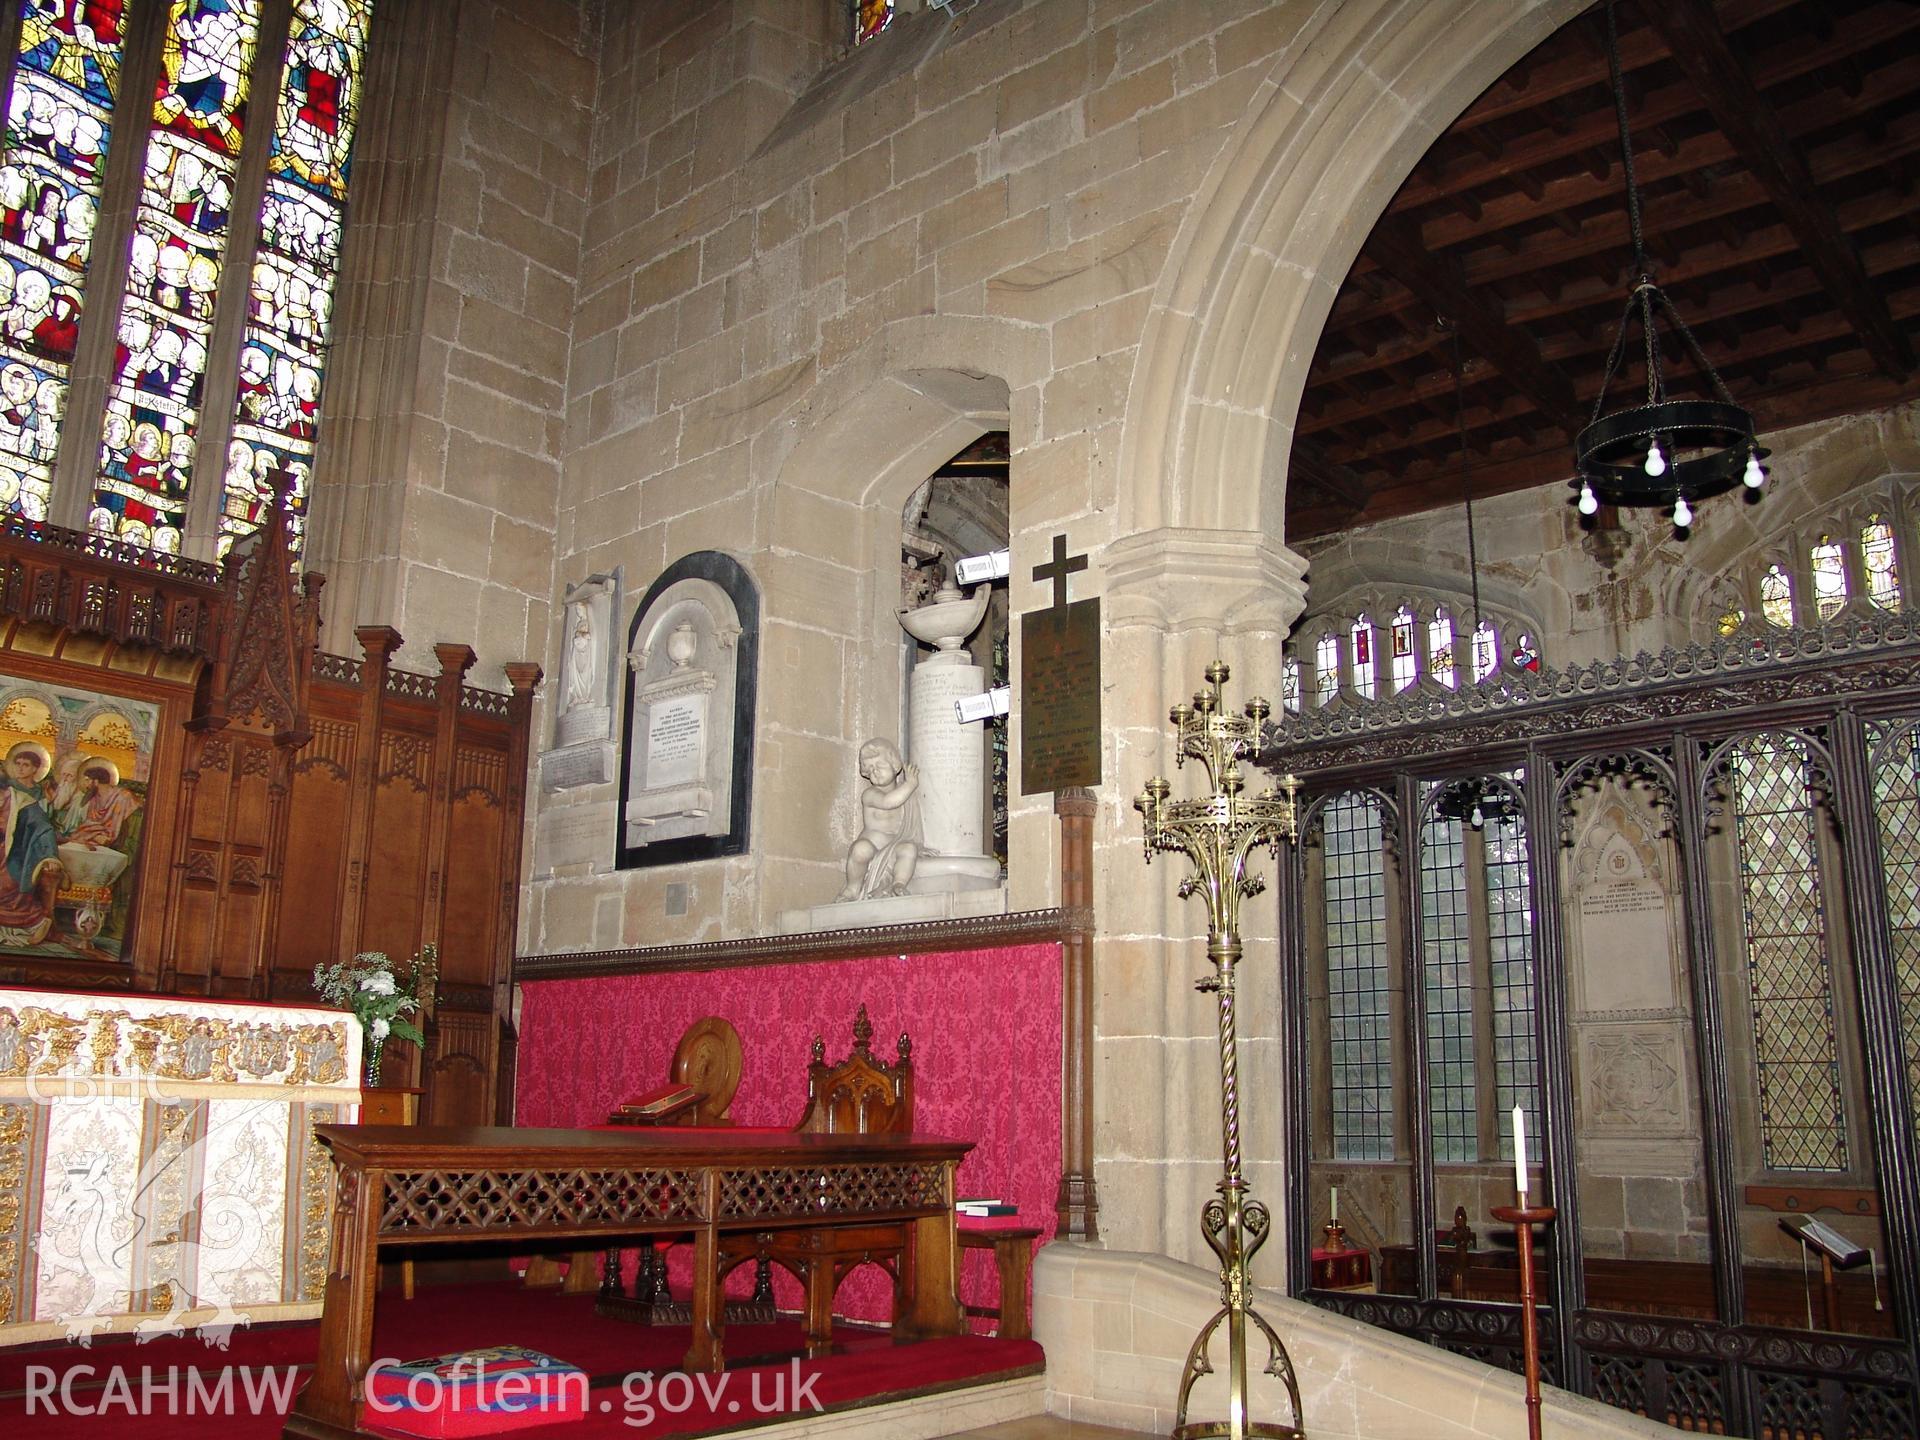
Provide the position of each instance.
(1510, 970)
(290, 296)
(1829, 578)
(1440, 647)
(58, 121)
(1290, 684)
(1486, 651)
(1326, 669)
(1789, 978)
(1447, 968)
(1776, 597)
(147, 457)
(1881, 563)
(1896, 796)
(1359, 980)
(870, 17)
(1362, 638)
(1404, 667)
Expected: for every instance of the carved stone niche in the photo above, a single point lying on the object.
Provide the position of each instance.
(686, 766)
(589, 670)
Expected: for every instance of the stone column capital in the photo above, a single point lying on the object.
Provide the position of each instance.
(1229, 581)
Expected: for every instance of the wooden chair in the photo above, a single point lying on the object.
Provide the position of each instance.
(858, 1096)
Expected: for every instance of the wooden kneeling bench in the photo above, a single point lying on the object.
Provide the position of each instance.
(1012, 1247)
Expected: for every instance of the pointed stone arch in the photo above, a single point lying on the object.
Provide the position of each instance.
(1348, 109)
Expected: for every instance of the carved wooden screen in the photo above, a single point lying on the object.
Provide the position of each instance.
(1705, 924)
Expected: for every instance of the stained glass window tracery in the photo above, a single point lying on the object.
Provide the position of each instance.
(1404, 668)
(1359, 980)
(1776, 597)
(170, 248)
(1486, 651)
(59, 120)
(1829, 578)
(870, 17)
(1881, 562)
(1789, 978)
(149, 436)
(283, 356)
(1326, 669)
(1440, 647)
(1290, 684)
(1362, 638)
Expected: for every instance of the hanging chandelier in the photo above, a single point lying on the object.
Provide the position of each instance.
(1665, 453)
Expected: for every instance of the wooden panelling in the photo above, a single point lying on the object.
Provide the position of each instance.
(302, 806)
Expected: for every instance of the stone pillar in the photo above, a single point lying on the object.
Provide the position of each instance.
(1175, 600)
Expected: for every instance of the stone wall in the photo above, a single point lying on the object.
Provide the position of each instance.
(437, 500)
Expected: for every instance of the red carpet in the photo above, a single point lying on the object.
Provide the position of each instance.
(63, 1392)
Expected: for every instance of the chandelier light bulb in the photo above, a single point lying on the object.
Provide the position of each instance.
(1656, 462)
(1682, 513)
(1755, 476)
(1589, 503)
(1477, 819)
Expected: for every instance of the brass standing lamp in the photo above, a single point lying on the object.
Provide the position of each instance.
(1218, 832)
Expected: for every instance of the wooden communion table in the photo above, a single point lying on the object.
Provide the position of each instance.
(411, 1185)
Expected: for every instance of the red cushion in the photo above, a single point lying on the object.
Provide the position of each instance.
(475, 1392)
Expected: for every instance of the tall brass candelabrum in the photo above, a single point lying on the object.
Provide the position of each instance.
(1218, 832)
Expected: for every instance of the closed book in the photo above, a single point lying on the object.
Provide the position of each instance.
(983, 1209)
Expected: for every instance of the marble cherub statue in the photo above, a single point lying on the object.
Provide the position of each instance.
(881, 861)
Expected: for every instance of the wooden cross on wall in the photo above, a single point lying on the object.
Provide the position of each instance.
(1058, 569)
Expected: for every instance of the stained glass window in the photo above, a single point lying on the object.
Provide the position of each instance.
(1326, 669)
(1359, 988)
(1789, 980)
(1440, 647)
(1486, 651)
(1882, 565)
(1447, 965)
(1404, 668)
(1896, 796)
(1776, 597)
(58, 121)
(290, 294)
(1730, 620)
(1829, 578)
(1362, 636)
(173, 272)
(1510, 969)
(1290, 683)
(870, 17)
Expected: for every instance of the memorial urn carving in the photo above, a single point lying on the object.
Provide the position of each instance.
(947, 620)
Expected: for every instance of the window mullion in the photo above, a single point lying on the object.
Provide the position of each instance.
(78, 458)
(222, 377)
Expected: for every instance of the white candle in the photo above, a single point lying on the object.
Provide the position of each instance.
(1336, 1203)
(1520, 1152)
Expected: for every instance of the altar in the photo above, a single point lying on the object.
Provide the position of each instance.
(158, 1166)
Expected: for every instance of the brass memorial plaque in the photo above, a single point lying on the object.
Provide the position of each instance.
(1060, 697)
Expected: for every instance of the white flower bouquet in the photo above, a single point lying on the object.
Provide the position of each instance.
(382, 995)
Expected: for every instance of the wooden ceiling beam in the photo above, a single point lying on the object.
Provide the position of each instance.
(1311, 465)
(1398, 248)
(1770, 152)
(1884, 26)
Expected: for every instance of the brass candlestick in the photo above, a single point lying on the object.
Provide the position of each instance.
(1217, 833)
(1336, 1237)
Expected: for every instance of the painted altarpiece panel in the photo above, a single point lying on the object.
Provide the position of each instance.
(80, 817)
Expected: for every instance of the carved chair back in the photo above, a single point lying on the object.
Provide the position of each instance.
(861, 1095)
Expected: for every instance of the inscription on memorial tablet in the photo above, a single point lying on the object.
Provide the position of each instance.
(1060, 697)
(675, 732)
